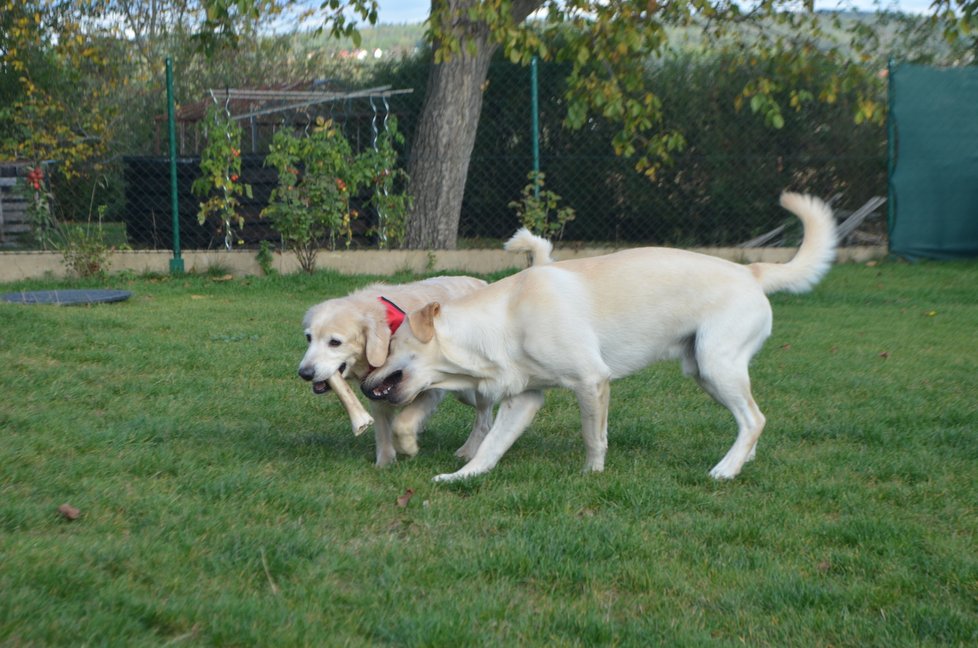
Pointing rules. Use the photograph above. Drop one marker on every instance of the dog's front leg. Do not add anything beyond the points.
(383, 413)
(481, 426)
(515, 414)
(594, 399)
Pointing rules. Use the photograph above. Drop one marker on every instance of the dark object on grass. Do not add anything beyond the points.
(67, 297)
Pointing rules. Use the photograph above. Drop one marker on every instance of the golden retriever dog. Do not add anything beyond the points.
(350, 335)
(582, 323)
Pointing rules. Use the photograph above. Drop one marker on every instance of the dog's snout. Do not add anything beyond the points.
(306, 372)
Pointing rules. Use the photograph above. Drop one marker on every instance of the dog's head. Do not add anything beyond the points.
(342, 339)
(413, 360)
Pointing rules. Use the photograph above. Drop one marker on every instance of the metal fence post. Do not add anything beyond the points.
(176, 263)
(891, 144)
(535, 120)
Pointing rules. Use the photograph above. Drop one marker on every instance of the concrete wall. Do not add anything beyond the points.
(15, 266)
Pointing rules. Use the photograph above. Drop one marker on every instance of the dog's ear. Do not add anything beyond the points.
(423, 322)
(378, 340)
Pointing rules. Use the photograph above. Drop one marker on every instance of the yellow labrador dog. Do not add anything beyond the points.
(350, 336)
(584, 322)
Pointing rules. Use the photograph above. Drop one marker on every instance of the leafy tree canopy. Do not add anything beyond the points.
(608, 45)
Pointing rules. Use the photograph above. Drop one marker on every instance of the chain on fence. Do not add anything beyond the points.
(721, 189)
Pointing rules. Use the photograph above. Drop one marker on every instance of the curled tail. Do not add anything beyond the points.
(814, 257)
(537, 247)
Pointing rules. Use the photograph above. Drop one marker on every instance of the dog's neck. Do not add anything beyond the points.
(477, 359)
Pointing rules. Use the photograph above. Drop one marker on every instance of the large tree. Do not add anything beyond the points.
(608, 44)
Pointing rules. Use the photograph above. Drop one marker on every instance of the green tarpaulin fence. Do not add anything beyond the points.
(933, 202)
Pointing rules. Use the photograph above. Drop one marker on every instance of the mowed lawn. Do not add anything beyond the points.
(222, 503)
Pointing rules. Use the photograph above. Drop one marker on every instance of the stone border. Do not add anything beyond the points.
(16, 266)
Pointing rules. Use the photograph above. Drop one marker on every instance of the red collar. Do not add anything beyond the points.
(395, 316)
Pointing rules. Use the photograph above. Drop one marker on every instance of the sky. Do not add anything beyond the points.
(416, 11)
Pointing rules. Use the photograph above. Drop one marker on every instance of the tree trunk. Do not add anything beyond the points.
(439, 163)
(445, 136)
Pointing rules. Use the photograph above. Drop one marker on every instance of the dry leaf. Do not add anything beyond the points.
(403, 500)
(885, 355)
(786, 347)
(69, 512)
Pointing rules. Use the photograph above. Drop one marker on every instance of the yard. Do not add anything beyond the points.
(221, 503)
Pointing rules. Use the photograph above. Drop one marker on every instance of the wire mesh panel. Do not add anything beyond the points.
(720, 189)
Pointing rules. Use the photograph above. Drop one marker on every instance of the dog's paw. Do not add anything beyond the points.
(385, 459)
(593, 467)
(721, 472)
(458, 475)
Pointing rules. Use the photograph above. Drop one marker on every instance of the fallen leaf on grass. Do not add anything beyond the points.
(885, 355)
(69, 512)
(403, 500)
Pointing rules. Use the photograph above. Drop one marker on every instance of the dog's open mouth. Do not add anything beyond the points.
(383, 390)
(322, 386)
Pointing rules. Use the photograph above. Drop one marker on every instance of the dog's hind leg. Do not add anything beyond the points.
(515, 414)
(720, 366)
(730, 386)
(481, 426)
(594, 400)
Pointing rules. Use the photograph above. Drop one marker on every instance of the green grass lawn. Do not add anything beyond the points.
(222, 503)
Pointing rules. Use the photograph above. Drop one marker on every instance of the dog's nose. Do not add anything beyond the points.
(306, 373)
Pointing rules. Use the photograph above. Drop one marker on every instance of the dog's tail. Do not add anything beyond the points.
(538, 248)
(814, 257)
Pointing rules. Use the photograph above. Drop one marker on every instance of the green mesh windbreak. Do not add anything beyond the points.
(933, 162)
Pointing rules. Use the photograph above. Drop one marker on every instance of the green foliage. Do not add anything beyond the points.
(265, 258)
(319, 175)
(55, 80)
(538, 211)
(220, 167)
(36, 190)
(223, 21)
(388, 186)
(85, 250)
(720, 190)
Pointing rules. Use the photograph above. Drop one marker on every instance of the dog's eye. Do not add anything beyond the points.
(308, 337)
(333, 342)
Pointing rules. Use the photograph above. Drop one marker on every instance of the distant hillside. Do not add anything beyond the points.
(393, 40)
(398, 41)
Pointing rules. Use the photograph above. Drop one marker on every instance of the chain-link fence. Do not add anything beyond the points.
(721, 189)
